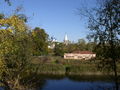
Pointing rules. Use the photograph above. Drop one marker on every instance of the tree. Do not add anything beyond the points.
(72, 47)
(81, 44)
(8, 1)
(90, 46)
(15, 51)
(104, 22)
(40, 42)
(2, 16)
(59, 49)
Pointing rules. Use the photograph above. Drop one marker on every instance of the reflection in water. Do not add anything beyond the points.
(67, 84)
(77, 83)
(1, 88)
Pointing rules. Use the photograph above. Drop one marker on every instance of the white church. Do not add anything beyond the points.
(65, 41)
(79, 55)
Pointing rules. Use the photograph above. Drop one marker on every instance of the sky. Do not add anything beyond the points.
(57, 17)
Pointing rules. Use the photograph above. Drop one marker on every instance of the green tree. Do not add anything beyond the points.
(90, 46)
(104, 22)
(40, 42)
(81, 44)
(59, 49)
(2, 16)
(15, 51)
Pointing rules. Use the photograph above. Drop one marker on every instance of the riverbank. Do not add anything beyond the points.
(57, 65)
(39, 81)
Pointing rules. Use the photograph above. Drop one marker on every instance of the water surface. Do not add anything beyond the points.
(57, 82)
(68, 83)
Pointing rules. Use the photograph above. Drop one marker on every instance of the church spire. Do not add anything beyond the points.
(66, 39)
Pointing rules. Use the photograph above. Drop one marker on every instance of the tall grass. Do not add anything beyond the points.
(57, 65)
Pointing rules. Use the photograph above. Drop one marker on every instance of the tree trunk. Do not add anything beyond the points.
(6, 84)
(115, 75)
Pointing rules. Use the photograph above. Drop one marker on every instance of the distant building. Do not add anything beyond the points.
(86, 55)
(66, 41)
(52, 43)
(52, 46)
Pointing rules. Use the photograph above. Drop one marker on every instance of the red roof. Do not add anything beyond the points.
(83, 52)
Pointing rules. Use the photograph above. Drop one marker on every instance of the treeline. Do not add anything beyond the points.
(18, 44)
(81, 45)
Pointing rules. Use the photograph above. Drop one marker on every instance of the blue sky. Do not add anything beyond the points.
(57, 17)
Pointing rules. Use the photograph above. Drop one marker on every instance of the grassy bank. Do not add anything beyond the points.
(57, 65)
(48, 68)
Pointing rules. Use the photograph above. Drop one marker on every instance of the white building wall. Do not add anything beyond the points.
(78, 56)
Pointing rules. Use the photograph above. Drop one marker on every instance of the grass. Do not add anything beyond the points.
(57, 65)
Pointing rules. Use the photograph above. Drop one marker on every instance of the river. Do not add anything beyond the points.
(78, 83)
(67, 84)
(70, 82)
